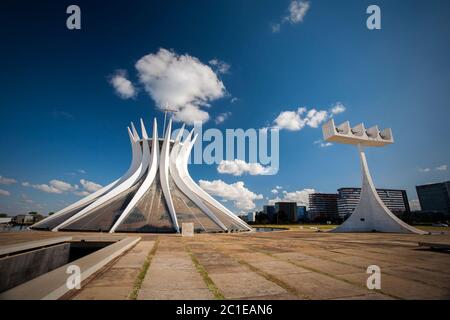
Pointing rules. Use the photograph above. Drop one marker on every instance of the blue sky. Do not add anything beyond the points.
(61, 119)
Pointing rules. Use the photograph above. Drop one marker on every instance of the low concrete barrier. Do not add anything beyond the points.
(53, 285)
(30, 245)
(19, 268)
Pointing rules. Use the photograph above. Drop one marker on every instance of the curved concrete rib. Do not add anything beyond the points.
(135, 133)
(144, 158)
(135, 160)
(144, 131)
(136, 157)
(77, 204)
(151, 174)
(164, 175)
(184, 185)
(371, 214)
(184, 175)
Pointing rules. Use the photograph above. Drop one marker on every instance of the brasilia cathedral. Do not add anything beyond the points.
(156, 194)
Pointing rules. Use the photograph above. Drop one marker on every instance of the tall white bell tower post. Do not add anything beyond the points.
(371, 214)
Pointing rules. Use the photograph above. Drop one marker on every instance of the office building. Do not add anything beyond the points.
(301, 213)
(434, 197)
(269, 210)
(286, 211)
(24, 219)
(395, 200)
(323, 207)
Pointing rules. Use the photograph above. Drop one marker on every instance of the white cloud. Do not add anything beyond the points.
(54, 186)
(414, 205)
(25, 198)
(274, 191)
(300, 196)
(59, 187)
(239, 167)
(278, 187)
(182, 82)
(46, 188)
(62, 114)
(338, 108)
(4, 193)
(275, 27)
(243, 199)
(323, 144)
(289, 120)
(222, 117)
(443, 167)
(62, 185)
(298, 119)
(190, 114)
(124, 88)
(90, 186)
(297, 11)
(81, 171)
(234, 99)
(220, 66)
(314, 118)
(82, 193)
(7, 181)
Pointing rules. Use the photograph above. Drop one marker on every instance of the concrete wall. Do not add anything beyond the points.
(17, 269)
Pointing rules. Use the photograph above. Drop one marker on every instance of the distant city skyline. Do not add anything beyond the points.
(68, 95)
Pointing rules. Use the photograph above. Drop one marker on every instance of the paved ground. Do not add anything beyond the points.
(276, 265)
(117, 282)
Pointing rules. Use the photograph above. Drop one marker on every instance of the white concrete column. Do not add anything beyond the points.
(371, 214)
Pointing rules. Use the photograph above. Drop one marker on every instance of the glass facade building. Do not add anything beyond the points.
(323, 206)
(395, 200)
(301, 213)
(286, 211)
(434, 197)
(269, 210)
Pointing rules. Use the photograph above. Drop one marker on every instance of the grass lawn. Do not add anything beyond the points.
(296, 226)
(433, 229)
(324, 227)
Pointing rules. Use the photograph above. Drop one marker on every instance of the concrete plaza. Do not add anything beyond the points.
(294, 264)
